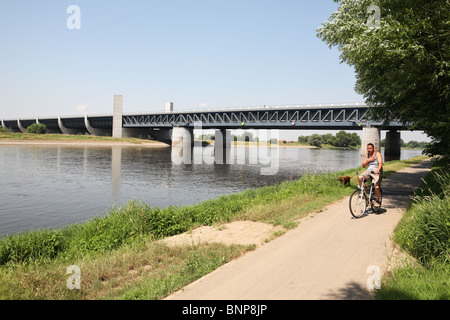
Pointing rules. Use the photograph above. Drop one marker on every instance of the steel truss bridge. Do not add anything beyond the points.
(342, 117)
(325, 117)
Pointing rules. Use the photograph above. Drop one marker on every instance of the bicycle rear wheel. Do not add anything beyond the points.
(373, 202)
(358, 203)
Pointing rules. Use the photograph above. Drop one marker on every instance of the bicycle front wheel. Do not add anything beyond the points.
(373, 203)
(358, 203)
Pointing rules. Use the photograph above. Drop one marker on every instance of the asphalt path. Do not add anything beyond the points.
(330, 255)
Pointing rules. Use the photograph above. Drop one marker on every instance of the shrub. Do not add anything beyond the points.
(425, 232)
(31, 246)
(38, 128)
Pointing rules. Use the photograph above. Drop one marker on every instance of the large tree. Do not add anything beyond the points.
(401, 55)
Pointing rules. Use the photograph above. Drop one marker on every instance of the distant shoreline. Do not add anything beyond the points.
(123, 143)
(84, 143)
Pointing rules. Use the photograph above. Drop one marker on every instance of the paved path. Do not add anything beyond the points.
(326, 257)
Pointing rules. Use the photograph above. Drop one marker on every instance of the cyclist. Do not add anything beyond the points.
(374, 164)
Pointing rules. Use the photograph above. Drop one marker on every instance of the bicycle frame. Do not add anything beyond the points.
(363, 198)
(362, 186)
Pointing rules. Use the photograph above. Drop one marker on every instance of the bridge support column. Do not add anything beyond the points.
(392, 146)
(222, 146)
(182, 145)
(24, 130)
(370, 135)
(117, 131)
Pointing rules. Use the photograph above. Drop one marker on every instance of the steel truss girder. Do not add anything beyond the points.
(258, 118)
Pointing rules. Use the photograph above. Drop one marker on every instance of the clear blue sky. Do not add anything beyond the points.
(195, 53)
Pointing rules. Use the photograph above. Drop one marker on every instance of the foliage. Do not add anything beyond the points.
(342, 139)
(402, 65)
(425, 231)
(315, 140)
(38, 128)
(32, 246)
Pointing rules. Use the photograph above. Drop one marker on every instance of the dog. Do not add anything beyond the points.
(345, 180)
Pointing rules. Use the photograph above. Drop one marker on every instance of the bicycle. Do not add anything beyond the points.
(360, 198)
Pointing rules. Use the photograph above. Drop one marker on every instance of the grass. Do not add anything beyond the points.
(423, 235)
(118, 254)
(12, 136)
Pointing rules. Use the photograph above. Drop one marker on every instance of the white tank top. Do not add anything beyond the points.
(373, 165)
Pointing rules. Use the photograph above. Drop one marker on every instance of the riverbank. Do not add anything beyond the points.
(120, 255)
(7, 138)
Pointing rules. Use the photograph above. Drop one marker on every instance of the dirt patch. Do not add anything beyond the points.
(238, 232)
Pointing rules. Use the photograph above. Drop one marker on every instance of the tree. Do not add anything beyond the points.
(401, 61)
(315, 140)
(303, 139)
(343, 139)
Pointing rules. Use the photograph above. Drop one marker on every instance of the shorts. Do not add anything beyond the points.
(376, 177)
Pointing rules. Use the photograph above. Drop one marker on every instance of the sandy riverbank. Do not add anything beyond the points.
(149, 144)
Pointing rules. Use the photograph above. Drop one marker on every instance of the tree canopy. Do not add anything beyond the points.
(401, 56)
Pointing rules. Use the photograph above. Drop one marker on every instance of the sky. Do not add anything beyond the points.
(198, 54)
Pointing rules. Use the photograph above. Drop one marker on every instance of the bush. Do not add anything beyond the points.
(38, 128)
(29, 247)
(425, 231)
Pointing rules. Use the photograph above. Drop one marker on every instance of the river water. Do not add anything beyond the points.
(51, 186)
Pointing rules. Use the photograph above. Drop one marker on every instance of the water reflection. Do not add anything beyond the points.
(55, 185)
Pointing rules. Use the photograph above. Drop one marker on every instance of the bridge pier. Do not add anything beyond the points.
(392, 145)
(370, 135)
(182, 145)
(22, 129)
(222, 146)
(117, 130)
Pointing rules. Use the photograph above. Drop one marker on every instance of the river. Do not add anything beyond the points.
(51, 186)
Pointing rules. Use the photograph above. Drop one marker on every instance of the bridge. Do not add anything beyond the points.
(172, 127)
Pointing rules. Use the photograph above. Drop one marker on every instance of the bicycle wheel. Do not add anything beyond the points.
(358, 203)
(373, 202)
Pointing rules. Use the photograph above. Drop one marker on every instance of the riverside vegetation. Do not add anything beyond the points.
(118, 254)
(424, 235)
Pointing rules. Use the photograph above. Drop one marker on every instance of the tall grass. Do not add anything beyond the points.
(425, 230)
(424, 234)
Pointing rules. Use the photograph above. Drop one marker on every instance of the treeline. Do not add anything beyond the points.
(409, 144)
(342, 139)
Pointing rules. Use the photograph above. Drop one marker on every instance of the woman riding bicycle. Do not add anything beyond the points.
(374, 164)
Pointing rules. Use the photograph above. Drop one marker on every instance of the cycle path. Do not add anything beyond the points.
(330, 255)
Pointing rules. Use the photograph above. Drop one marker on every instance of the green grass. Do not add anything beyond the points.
(118, 253)
(424, 235)
(12, 136)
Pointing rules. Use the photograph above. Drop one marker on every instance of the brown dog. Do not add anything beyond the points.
(345, 180)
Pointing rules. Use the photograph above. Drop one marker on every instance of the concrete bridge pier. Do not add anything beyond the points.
(21, 128)
(117, 130)
(392, 146)
(370, 135)
(222, 146)
(182, 145)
